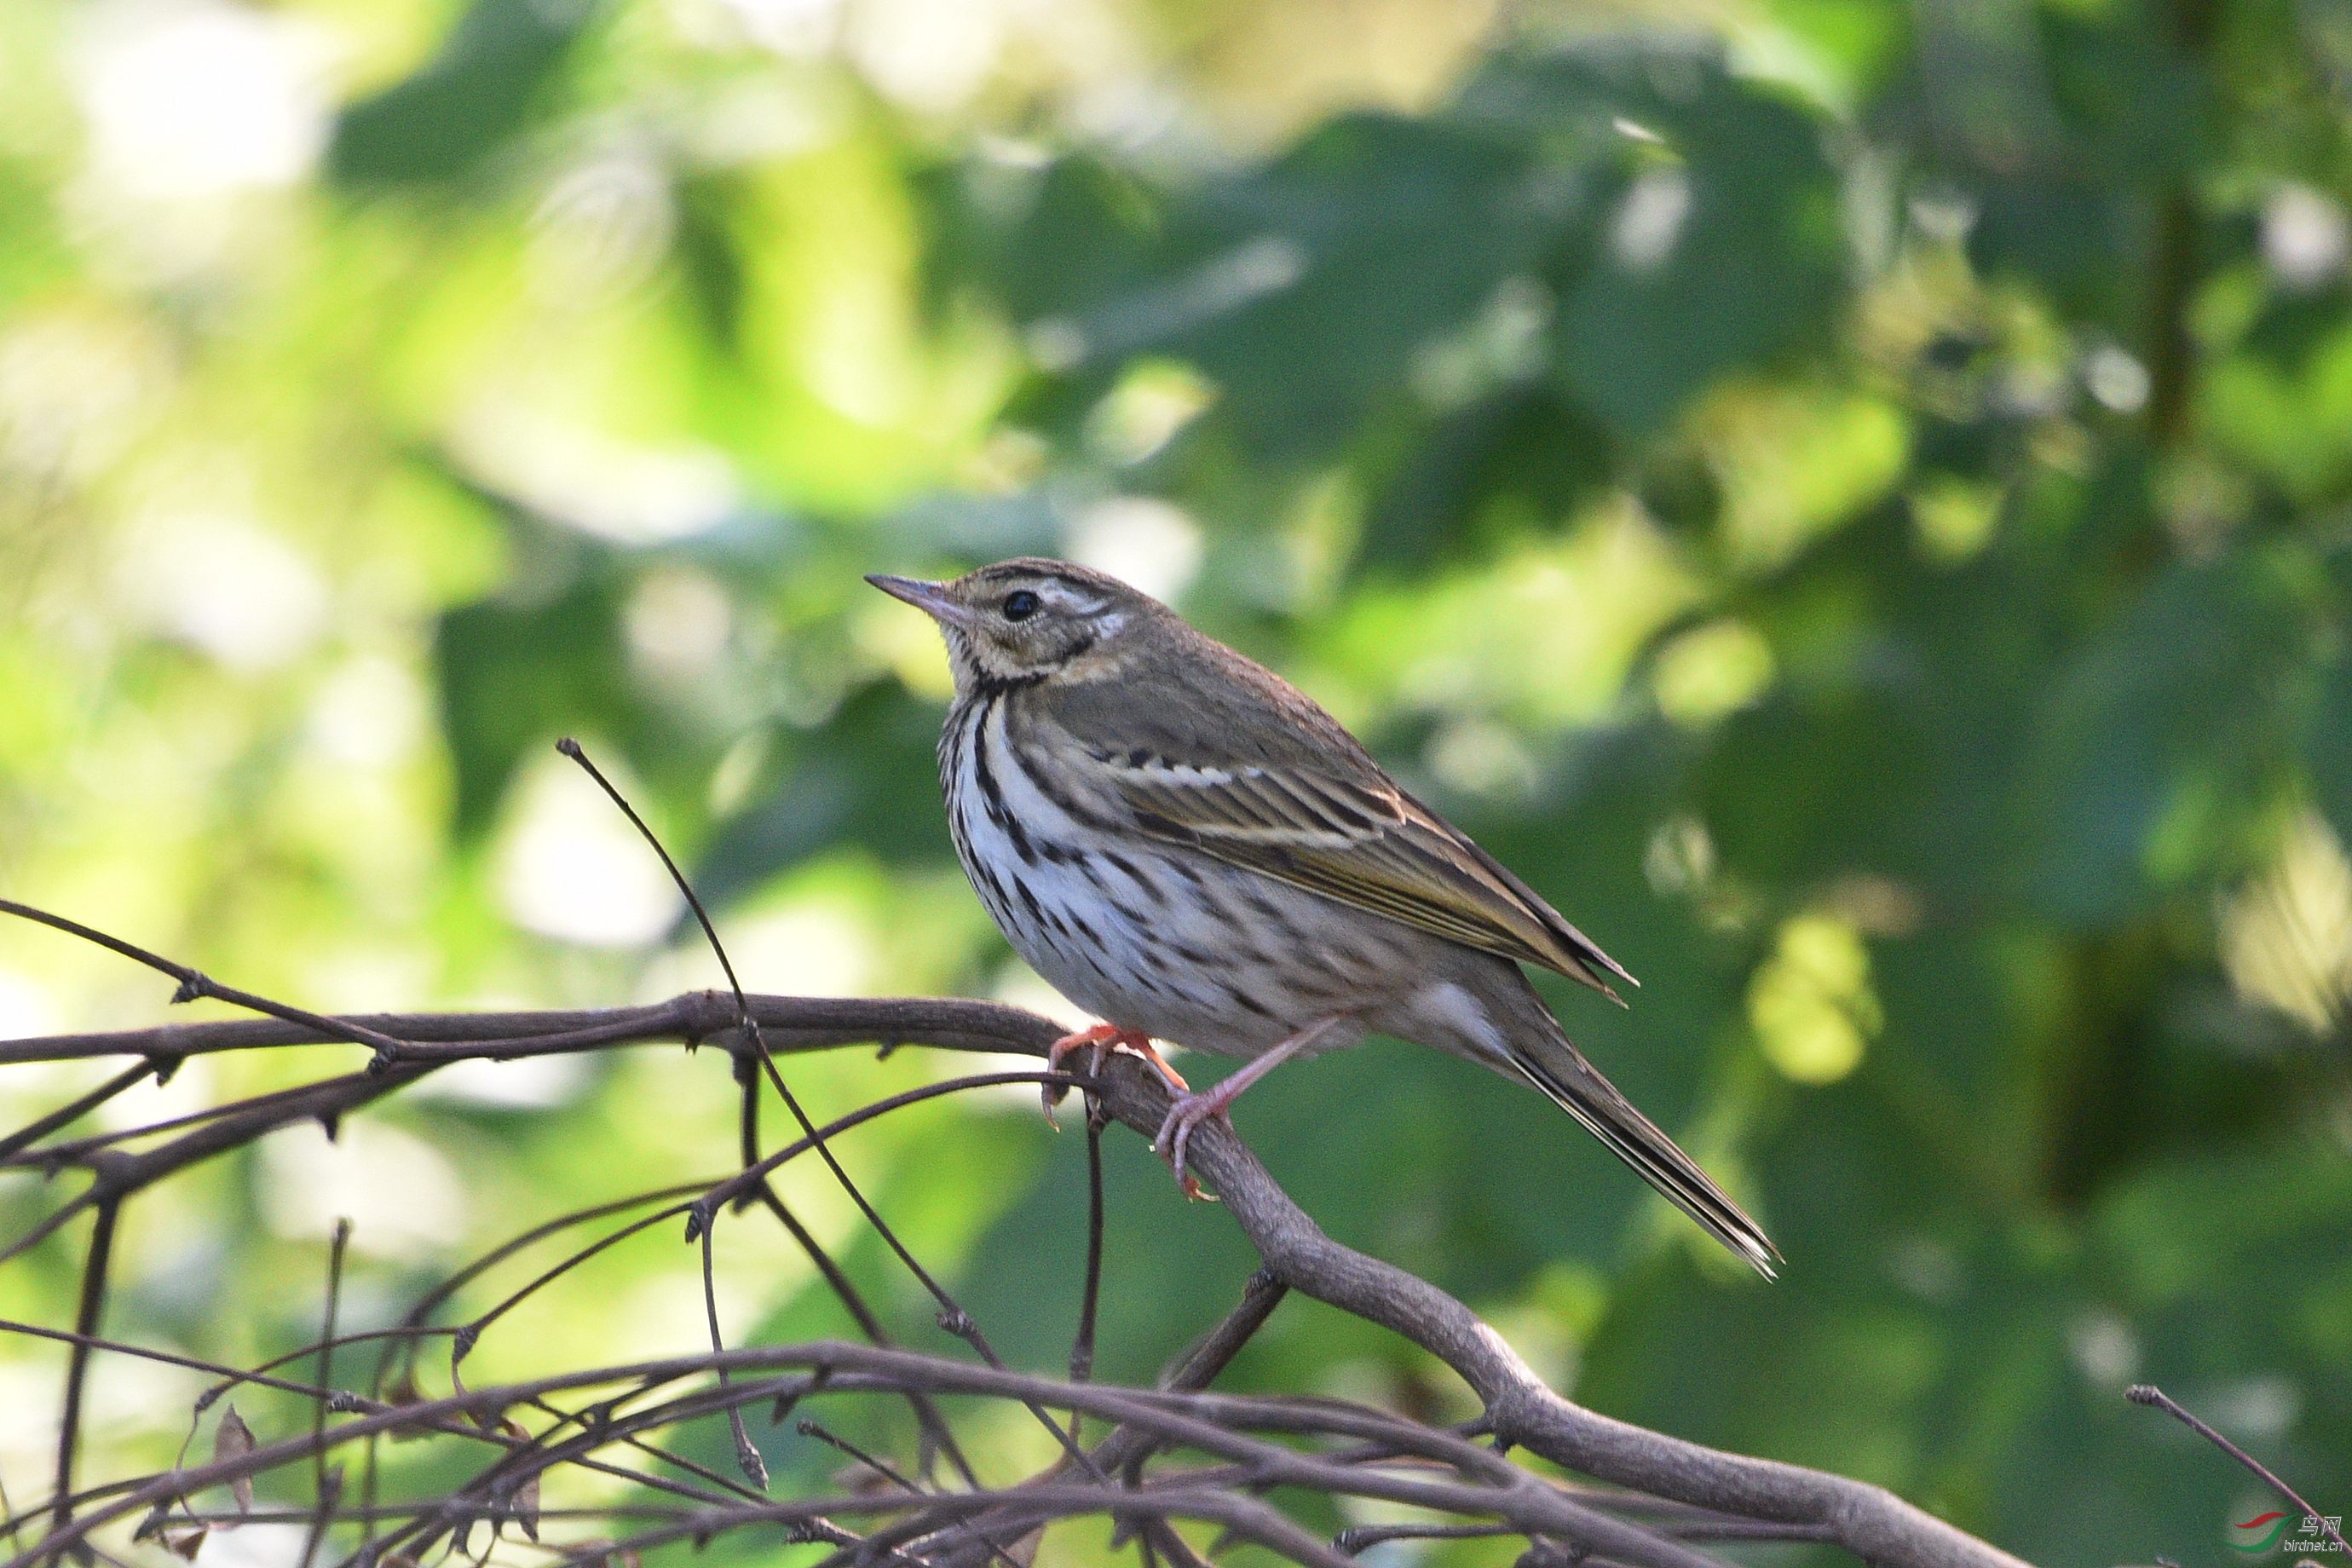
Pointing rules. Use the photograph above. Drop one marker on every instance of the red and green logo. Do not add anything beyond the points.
(2272, 1525)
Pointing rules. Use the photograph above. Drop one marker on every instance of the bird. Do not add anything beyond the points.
(1188, 846)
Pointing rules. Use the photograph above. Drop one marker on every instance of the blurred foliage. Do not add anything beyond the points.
(1847, 498)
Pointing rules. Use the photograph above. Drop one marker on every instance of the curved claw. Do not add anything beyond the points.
(1176, 1131)
(1191, 1110)
(1051, 1094)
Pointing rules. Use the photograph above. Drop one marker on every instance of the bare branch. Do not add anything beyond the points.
(2149, 1395)
(1722, 1495)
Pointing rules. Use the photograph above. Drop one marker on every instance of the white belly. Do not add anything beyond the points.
(1182, 947)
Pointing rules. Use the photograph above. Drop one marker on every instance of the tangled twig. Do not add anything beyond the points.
(1176, 1452)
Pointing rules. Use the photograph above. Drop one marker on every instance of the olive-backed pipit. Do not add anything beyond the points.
(1190, 848)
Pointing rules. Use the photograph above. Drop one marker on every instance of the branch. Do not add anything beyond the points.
(2149, 1395)
(1212, 1423)
(1865, 1520)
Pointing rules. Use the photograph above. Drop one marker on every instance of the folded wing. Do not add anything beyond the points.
(1362, 841)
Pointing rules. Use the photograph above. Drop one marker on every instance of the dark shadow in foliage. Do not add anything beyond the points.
(1514, 460)
(489, 78)
(1597, 233)
(2168, 733)
(548, 655)
(1721, 242)
(865, 776)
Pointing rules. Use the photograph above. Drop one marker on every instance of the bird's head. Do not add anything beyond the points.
(1032, 620)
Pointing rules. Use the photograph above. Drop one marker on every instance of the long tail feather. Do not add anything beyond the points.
(1559, 1069)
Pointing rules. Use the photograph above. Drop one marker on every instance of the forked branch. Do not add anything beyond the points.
(1766, 1498)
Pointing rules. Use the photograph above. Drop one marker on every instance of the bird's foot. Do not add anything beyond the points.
(1092, 1041)
(1096, 1041)
(1183, 1117)
(1150, 1053)
(1212, 1104)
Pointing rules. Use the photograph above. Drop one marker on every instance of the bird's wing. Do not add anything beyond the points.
(1361, 840)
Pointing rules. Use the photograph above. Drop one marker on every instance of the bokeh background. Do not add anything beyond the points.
(1848, 497)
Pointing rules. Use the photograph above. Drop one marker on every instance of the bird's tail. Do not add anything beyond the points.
(1559, 1069)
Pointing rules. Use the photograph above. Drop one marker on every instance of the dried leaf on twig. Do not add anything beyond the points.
(233, 1440)
(524, 1506)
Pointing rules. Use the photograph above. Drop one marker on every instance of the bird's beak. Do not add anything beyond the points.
(931, 598)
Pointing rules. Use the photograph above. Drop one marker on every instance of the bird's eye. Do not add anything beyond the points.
(1021, 603)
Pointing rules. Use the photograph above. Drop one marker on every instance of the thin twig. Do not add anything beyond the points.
(1082, 1344)
(953, 1319)
(1359, 1538)
(87, 1314)
(716, 1195)
(936, 1432)
(2149, 1395)
(195, 983)
(1757, 1499)
(1218, 1425)
(747, 1454)
(33, 1132)
(880, 1467)
(326, 1487)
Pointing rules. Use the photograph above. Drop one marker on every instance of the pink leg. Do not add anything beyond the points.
(1191, 1110)
(1096, 1040)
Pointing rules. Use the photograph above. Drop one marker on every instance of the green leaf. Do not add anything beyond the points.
(515, 674)
(2160, 732)
(1520, 457)
(1723, 248)
(445, 122)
